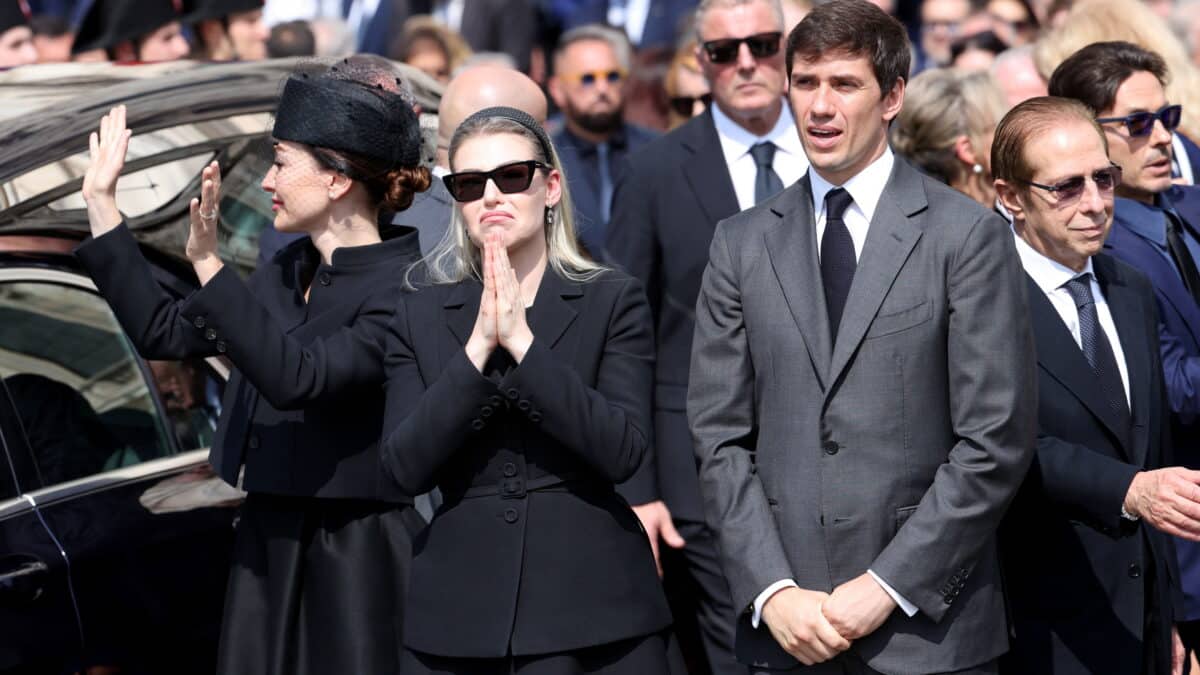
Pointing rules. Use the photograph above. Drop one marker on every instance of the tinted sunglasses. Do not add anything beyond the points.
(591, 77)
(684, 106)
(467, 186)
(1069, 190)
(1142, 123)
(761, 46)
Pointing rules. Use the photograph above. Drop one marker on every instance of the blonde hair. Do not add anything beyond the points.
(941, 105)
(1131, 21)
(456, 258)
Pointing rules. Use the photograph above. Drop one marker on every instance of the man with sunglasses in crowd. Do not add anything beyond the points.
(591, 69)
(742, 151)
(1091, 576)
(1156, 229)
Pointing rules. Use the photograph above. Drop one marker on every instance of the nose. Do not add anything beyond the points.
(1091, 201)
(1160, 135)
(268, 181)
(179, 46)
(821, 105)
(745, 59)
(491, 193)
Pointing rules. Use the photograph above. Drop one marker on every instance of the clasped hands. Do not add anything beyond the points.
(501, 319)
(814, 627)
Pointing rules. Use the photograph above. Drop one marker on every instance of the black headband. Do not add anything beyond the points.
(520, 117)
(349, 116)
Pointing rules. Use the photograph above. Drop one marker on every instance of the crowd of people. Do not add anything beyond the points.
(729, 336)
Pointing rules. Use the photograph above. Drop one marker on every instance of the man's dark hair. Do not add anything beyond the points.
(1093, 74)
(49, 25)
(856, 28)
(293, 38)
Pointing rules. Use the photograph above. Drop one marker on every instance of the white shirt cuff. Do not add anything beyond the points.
(756, 617)
(905, 606)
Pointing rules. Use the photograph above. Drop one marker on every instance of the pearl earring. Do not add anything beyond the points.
(977, 169)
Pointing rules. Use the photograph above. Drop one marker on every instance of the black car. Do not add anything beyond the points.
(114, 533)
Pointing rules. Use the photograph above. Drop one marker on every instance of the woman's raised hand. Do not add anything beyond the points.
(106, 149)
(512, 330)
(483, 338)
(201, 246)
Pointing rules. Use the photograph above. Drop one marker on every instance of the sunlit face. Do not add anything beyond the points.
(16, 47)
(940, 24)
(520, 216)
(299, 187)
(1145, 161)
(748, 87)
(164, 44)
(248, 35)
(590, 85)
(1068, 232)
(841, 113)
(687, 83)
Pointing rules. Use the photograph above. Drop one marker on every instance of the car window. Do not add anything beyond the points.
(81, 395)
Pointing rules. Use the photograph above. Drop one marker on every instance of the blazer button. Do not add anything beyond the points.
(486, 411)
(477, 424)
(199, 322)
(495, 400)
(510, 469)
(535, 417)
(210, 335)
(831, 447)
(524, 406)
(325, 279)
(511, 515)
(221, 346)
(512, 394)
(253, 442)
(1135, 570)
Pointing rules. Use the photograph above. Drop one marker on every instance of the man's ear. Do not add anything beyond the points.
(1007, 194)
(894, 100)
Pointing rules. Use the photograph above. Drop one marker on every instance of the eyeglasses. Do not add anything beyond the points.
(685, 106)
(1142, 123)
(591, 77)
(1069, 190)
(761, 46)
(467, 186)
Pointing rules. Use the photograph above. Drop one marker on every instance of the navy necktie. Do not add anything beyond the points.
(1182, 256)
(1096, 348)
(838, 261)
(766, 183)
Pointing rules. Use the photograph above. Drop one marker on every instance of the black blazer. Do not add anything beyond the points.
(532, 551)
(1075, 570)
(302, 409)
(665, 209)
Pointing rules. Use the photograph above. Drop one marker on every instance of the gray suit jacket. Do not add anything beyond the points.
(429, 214)
(898, 448)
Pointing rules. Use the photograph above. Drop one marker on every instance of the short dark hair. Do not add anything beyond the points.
(1093, 74)
(294, 38)
(854, 27)
(1024, 123)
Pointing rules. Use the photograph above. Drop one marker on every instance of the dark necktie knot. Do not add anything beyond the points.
(1080, 288)
(764, 154)
(837, 201)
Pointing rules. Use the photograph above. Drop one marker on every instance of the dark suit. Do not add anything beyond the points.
(1082, 580)
(533, 552)
(895, 448)
(663, 24)
(429, 214)
(670, 197)
(506, 26)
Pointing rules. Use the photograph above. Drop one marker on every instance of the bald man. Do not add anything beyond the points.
(470, 91)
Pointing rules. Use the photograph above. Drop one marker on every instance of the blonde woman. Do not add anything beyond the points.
(946, 129)
(519, 383)
(687, 91)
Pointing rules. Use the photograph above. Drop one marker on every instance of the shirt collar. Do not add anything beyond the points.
(736, 141)
(1049, 275)
(865, 187)
(1144, 220)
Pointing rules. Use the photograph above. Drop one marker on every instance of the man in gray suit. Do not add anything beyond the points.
(862, 392)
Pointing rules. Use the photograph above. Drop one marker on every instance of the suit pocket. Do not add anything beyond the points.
(887, 324)
(902, 515)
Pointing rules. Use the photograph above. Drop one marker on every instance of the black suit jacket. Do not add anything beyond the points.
(1076, 571)
(302, 410)
(532, 551)
(665, 209)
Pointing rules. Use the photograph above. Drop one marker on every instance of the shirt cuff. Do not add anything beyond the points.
(905, 606)
(762, 598)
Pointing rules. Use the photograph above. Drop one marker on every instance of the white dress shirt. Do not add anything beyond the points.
(789, 163)
(1051, 277)
(866, 187)
(630, 15)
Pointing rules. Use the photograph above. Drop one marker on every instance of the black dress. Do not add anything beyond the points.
(533, 564)
(323, 542)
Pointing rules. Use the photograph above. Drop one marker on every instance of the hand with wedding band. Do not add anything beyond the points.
(201, 246)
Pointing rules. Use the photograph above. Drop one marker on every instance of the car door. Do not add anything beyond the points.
(117, 447)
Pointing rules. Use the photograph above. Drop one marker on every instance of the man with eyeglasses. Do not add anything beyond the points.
(1089, 568)
(741, 152)
(591, 68)
(1155, 229)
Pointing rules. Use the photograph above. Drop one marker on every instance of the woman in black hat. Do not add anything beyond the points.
(16, 37)
(519, 383)
(130, 30)
(323, 541)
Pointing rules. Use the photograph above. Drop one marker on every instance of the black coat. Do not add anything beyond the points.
(532, 551)
(666, 207)
(1075, 570)
(303, 409)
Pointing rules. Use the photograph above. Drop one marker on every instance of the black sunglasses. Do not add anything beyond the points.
(1069, 190)
(685, 106)
(761, 46)
(467, 186)
(1142, 123)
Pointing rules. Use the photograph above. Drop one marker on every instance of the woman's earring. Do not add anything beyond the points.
(977, 169)
(549, 217)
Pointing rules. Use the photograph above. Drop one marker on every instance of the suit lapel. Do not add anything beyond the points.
(463, 308)
(792, 248)
(706, 170)
(1127, 312)
(890, 240)
(552, 312)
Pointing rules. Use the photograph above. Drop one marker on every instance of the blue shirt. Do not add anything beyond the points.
(1149, 221)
